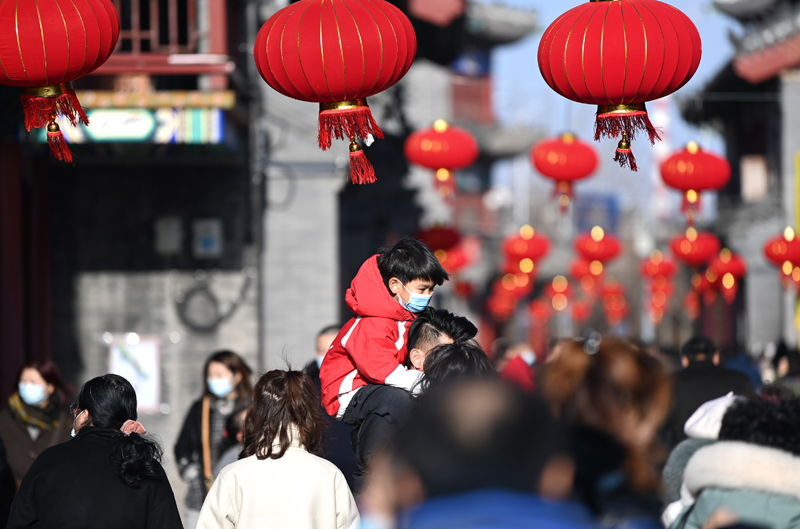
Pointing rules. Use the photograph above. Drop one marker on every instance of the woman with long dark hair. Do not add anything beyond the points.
(280, 480)
(226, 388)
(109, 475)
(36, 415)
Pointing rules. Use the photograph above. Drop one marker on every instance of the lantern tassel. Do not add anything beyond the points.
(43, 105)
(613, 124)
(565, 195)
(361, 171)
(624, 154)
(58, 147)
(345, 122)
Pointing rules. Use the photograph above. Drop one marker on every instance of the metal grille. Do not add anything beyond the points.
(158, 26)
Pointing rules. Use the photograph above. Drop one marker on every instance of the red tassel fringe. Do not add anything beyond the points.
(39, 111)
(612, 125)
(361, 171)
(626, 159)
(58, 147)
(345, 124)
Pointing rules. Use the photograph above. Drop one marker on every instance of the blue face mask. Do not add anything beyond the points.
(416, 302)
(220, 387)
(32, 394)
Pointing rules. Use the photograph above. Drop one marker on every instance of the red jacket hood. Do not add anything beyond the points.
(368, 296)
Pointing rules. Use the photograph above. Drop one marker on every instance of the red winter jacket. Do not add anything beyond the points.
(370, 348)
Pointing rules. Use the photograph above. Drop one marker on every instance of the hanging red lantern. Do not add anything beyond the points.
(588, 275)
(501, 306)
(598, 248)
(453, 260)
(693, 170)
(44, 46)
(439, 237)
(658, 266)
(695, 248)
(729, 268)
(517, 285)
(581, 310)
(703, 284)
(528, 244)
(619, 55)
(539, 310)
(337, 53)
(443, 148)
(564, 159)
(783, 248)
(558, 286)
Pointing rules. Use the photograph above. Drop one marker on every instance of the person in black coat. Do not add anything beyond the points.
(109, 475)
(701, 380)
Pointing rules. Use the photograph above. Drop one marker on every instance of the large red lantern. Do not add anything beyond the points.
(44, 46)
(693, 170)
(524, 250)
(784, 248)
(439, 237)
(729, 268)
(443, 148)
(337, 53)
(695, 248)
(564, 159)
(598, 248)
(658, 266)
(618, 55)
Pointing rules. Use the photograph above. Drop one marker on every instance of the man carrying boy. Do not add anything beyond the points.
(364, 382)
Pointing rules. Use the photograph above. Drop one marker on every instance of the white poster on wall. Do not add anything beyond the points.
(138, 360)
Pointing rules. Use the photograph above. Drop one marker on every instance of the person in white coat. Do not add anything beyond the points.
(280, 480)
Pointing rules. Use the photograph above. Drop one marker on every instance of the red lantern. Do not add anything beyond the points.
(539, 310)
(565, 160)
(439, 237)
(702, 285)
(452, 260)
(587, 274)
(695, 248)
(618, 55)
(443, 148)
(782, 249)
(694, 170)
(501, 306)
(44, 46)
(729, 268)
(581, 310)
(527, 245)
(598, 248)
(657, 266)
(517, 285)
(337, 53)
(559, 292)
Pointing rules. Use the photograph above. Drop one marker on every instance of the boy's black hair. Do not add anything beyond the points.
(410, 259)
(699, 347)
(455, 361)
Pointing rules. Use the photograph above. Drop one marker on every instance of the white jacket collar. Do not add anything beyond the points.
(294, 437)
(737, 465)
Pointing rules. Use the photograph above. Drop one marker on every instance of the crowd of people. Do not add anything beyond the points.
(403, 421)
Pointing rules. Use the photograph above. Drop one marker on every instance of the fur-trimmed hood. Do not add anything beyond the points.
(737, 465)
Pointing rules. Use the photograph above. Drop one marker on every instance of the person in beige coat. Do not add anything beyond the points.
(280, 480)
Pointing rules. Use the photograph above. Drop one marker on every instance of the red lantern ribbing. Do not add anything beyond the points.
(618, 55)
(695, 248)
(44, 46)
(443, 148)
(693, 170)
(784, 248)
(564, 159)
(337, 53)
(598, 248)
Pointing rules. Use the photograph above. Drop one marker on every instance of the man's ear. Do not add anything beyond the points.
(417, 358)
(715, 358)
(684, 361)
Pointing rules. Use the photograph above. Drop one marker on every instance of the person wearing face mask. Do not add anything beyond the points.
(364, 381)
(227, 387)
(35, 417)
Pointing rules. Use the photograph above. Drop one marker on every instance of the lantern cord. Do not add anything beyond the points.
(361, 171)
(626, 159)
(613, 124)
(58, 147)
(346, 123)
(39, 111)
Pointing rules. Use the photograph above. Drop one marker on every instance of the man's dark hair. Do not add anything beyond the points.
(410, 259)
(330, 329)
(699, 348)
(455, 361)
(431, 324)
(475, 434)
(764, 423)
